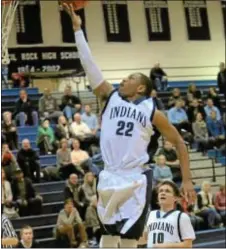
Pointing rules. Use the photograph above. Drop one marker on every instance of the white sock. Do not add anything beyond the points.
(108, 241)
(128, 243)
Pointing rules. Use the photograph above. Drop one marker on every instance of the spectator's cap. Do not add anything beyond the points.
(18, 170)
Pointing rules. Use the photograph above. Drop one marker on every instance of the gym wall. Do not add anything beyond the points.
(141, 53)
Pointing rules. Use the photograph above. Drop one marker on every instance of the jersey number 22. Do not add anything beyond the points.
(125, 128)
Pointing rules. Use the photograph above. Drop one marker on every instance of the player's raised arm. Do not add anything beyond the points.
(171, 134)
(100, 87)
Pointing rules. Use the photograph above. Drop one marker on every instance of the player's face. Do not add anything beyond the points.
(130, 86)
(166, 195)
(27, 235)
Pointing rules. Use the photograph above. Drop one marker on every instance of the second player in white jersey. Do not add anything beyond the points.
(167, 227)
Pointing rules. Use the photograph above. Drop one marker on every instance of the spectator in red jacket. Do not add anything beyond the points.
(220, 203)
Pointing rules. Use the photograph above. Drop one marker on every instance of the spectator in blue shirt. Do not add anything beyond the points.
(90, 119)
(210, 107)
(161, 171)
(216, 129)
(178, 117)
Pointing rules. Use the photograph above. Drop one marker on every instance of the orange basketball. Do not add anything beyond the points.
(77, 4)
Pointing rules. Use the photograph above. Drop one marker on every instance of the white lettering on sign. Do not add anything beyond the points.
(29, 56)
(12, 57)
(68, 55)
(49, 56)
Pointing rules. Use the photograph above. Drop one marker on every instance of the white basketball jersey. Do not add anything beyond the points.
(126, 130)
(167, 227)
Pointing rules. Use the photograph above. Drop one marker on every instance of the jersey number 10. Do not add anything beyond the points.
(158, 238)
(125, 128)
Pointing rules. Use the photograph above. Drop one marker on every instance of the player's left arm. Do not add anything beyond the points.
(171, 134)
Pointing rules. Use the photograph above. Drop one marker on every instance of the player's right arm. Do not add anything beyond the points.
(100, 86)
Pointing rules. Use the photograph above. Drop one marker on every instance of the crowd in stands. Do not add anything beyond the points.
(72, 132)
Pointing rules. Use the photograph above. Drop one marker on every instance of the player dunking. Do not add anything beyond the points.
(124, 189)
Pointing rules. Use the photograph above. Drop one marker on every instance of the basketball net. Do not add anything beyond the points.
(8, 12)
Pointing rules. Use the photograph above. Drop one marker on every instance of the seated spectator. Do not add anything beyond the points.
(171, 160)
(161, 171)
(206, 207)
(27, 159)
(178, 117)
(9, 163)
(212, 94)
(70, 103)
(221, 78)
(158, 78)
(78, 156)
(220, 203)
(158, 102)
(27, 238)
(193, 109)
(210, 107)
(90, 119)
(79, 128)
(216, 130)
(48, 107)
(9, 130)
(45, 138)
(193, 93)
(201, 135)
(70, 225)
(25, 112)
(196, 221)
(175, 96)
(71, 191)
(62, 129)
(92, 221)
(24, 195)
(81, 131)
(88, 187)
(63, 160)
(8, 207)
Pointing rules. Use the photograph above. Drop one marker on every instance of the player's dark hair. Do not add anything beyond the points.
(147, 83)
(172, 185)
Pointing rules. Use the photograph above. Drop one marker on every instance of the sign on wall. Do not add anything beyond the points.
(116, 20)
(66, 25)
(157, 18)
(43, 59)
(28, 22)
(223, 4)
(197, 19)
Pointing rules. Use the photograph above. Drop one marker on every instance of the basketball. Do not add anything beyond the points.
(77, 4)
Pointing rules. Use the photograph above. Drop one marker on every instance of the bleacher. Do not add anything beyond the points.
(211, 167)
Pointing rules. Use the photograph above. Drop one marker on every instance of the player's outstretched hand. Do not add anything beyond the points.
(76, 20)
(189, 191)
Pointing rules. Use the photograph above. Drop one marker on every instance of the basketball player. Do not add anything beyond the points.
(167, 227)
(124, 189)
